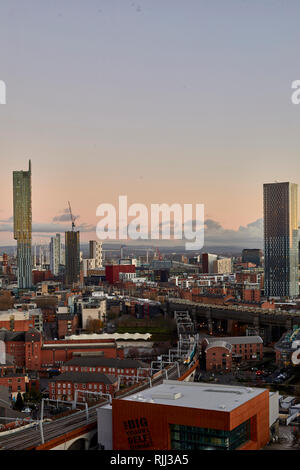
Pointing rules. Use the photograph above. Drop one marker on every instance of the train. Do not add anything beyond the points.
(190, 358)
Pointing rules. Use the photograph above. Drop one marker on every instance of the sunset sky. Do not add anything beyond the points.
(175, 101)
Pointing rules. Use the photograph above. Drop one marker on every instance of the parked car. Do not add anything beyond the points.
(26, 410)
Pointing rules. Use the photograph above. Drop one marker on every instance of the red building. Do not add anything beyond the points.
(41, 276)
(67, 324)
(112, 271)
(220, 353)
(55, 353)
(127, 369)
(30, 351)
(63, 386)
(14, 381)
(190, 416)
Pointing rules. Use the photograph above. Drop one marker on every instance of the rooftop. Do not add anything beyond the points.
(198, 395)
(104, 361)
(84, 377)
(236, 339)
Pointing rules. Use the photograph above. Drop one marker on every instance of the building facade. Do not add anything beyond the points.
(191, 416)
(281, 239)
(72, 258)
(96, 253)
(23, 225)
(55, 254)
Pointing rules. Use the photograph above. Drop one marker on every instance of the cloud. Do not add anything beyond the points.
(50, 228)
(249, 236)
(5, 221)
(65, 217)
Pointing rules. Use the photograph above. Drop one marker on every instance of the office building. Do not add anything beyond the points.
(72, 257)
(252, 255)
(208, 262)
(23, 225)
(281, 239)
(222, 266)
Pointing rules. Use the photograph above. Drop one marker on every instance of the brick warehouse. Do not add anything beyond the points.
(186, 416)
(221, 352)
(30, 351)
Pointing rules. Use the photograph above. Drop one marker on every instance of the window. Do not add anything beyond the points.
(194, 438)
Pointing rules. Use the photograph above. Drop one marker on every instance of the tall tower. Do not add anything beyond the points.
(23, 225)
(281, 239)
(55, 254)
(72, 256)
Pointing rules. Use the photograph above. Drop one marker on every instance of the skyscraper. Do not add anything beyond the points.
(23, 225)
(55, 254)
(72, 256)
(281, 239)
(96, 252)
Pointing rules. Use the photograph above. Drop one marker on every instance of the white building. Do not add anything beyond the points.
(96, 253)
(55, 254)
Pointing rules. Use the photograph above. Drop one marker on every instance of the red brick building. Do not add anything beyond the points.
(14, 381)
(55, 353)
(30, 351)
(67, 324)
(221, 353)
(63, 386)
(112, 271)
(127, 369)
(218, 355)
(191, 416)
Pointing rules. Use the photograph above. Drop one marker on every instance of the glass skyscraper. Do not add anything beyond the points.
(23, 225)
(281, 239)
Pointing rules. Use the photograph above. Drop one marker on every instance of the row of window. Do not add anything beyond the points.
(83, 386)
(99, 369)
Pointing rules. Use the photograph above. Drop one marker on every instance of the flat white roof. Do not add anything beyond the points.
(198, 395)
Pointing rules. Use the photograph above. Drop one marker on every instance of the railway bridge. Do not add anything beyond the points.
(273, 321)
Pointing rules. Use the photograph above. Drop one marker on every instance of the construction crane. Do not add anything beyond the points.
(72, 217)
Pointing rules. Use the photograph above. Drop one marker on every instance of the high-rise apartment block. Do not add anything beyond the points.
(23, 225)
(72, 257)
(55, 254)
(281, 239)
(96, 253)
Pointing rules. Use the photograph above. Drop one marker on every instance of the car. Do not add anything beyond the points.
(26, 410)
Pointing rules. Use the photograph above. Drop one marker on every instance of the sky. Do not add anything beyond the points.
(165, 101)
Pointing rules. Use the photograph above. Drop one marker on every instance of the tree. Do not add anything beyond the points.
(94, 325)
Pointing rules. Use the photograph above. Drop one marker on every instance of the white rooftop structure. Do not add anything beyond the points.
(115, 336)
(236, 339)
(204, 396)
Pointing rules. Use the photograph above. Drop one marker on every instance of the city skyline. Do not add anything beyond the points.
(148, 102)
